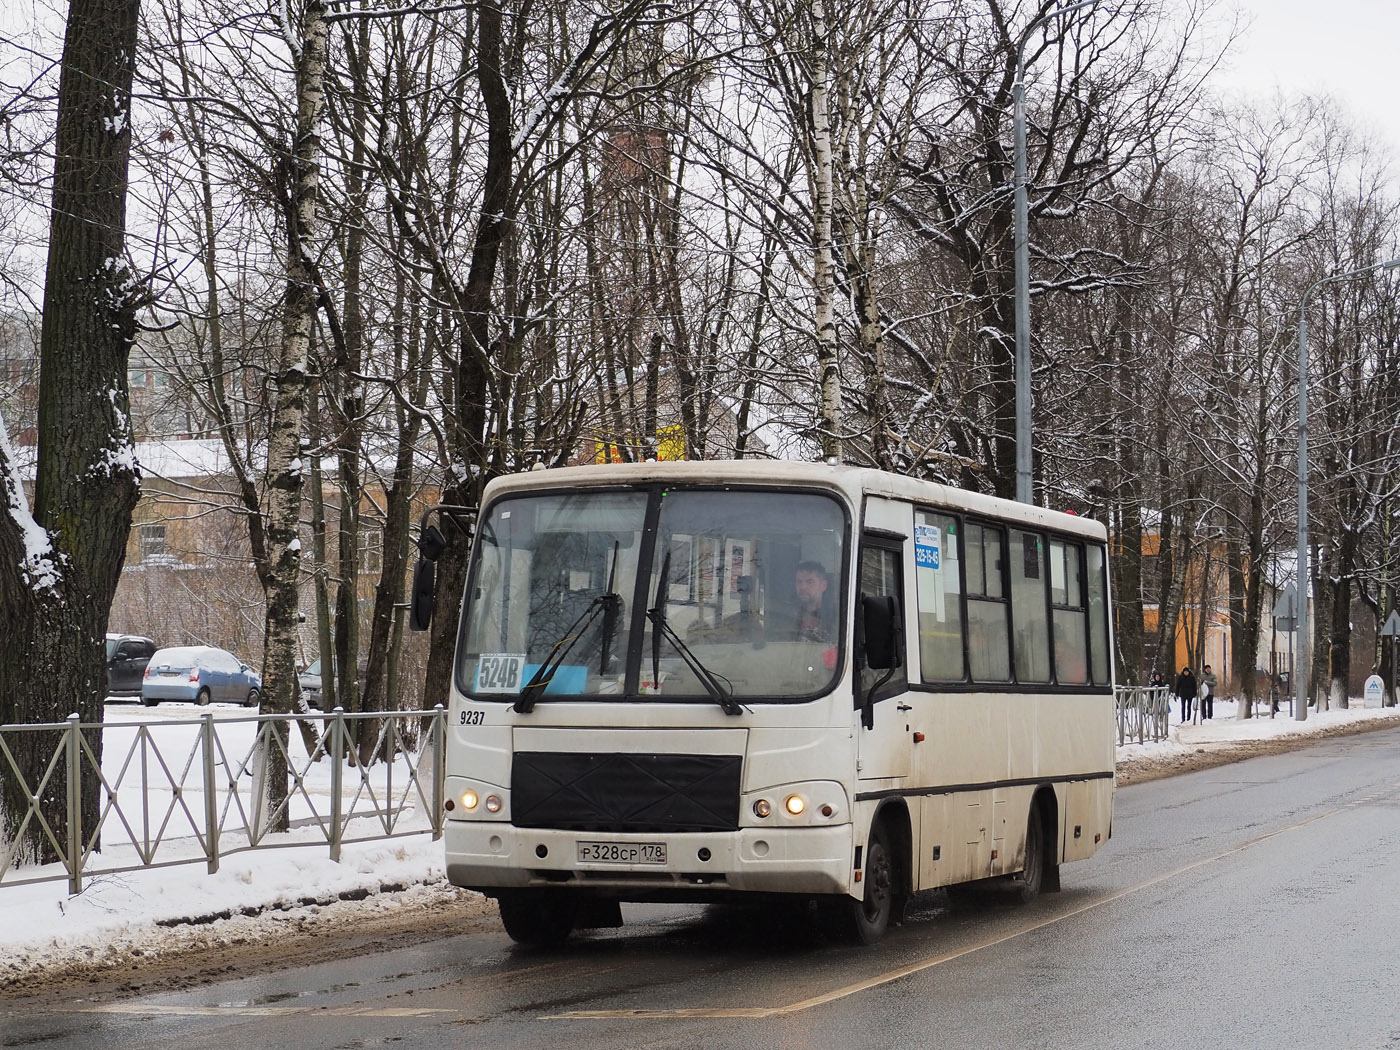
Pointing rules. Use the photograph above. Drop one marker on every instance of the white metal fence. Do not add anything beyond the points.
(1144, 713)
(189, 791)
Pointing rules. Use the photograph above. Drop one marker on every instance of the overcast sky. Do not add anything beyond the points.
(1346, 48)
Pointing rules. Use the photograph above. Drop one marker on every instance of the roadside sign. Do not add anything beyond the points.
(1374, 691)
(1392, 625)
(1286, 610)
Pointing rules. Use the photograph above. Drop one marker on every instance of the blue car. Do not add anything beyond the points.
(199, 673)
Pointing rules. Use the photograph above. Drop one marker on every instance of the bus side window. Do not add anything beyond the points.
(1067, 601)
(1098, 616)
(938, 585)
(988, 638)
(1030, 612)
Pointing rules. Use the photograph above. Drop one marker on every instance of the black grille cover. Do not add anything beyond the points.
(614, 792)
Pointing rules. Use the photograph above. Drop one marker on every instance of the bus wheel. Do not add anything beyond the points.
(865, 921)
(1028, 882)
(537, 918)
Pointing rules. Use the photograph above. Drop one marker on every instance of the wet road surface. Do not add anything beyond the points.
(1252, 905)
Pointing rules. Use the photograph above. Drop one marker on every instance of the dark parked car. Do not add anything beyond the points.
(310, 682)
(127, 657)
(200, 673)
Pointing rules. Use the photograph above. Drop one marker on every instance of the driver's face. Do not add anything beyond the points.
(810, 588)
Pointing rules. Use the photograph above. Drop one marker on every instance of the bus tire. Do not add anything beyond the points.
(1029, 881)
(865, 921)
(537, 918)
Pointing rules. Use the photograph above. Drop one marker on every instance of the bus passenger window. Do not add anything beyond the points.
(937, 574)
(1029, 612)
(1098, 616)
(988, 638)
(1067, 600)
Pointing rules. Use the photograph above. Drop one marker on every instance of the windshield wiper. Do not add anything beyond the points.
(607, 604)
(721, 694)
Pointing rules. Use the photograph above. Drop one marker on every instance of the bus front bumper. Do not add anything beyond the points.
(491, 855)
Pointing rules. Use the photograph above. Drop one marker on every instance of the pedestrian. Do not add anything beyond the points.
(1158, 682)
(1186, 689)
(1208, 684)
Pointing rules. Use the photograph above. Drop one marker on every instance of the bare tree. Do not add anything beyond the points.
(1103, 84)
(1354, 464)
(61, 557)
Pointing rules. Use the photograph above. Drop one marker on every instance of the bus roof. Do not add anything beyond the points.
(853, 482)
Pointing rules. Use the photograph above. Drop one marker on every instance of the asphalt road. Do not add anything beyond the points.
(1252, 905)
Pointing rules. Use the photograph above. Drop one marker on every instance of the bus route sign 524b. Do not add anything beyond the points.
(499, 672)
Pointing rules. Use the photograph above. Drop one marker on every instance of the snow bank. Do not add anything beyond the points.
(252, 896)
(1226, 729)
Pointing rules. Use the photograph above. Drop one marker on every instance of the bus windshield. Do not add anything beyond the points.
(743, 588)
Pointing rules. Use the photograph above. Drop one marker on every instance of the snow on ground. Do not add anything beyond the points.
(254, 894)
(1226, 729)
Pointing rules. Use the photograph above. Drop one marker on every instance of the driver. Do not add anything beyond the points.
(813, 623)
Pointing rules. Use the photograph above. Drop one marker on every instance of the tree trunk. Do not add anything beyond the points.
(60, 563)
(823, 261)
(471, 461)
(320, 570)
(386, 635)
(284, 487)
(1339, 640)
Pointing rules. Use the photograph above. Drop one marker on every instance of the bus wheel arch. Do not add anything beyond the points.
(1054, 846)
(1041, 868)
(885, 881)
(894, 816)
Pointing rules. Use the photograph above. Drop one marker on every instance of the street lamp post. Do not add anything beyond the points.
(1023, 265)
(1300, 670)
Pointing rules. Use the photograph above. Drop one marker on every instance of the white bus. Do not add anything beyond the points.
(677, 681)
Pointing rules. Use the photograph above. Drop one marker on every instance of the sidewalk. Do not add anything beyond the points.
(263, 894)
(1227, 733)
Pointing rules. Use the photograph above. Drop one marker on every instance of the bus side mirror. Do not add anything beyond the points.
(420, 602)
(880, 630)
(431, 544)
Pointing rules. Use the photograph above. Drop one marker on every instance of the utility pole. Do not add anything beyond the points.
(1024, 491)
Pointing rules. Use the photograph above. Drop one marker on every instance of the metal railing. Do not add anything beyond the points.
(192, 791)
(1144, 713)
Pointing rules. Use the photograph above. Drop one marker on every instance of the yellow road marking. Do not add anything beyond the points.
(699, 1011)
(151, 1010)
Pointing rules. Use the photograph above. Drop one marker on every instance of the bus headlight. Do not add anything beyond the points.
(813, 803)
(469, 799)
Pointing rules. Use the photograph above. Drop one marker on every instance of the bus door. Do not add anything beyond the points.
(885, 740)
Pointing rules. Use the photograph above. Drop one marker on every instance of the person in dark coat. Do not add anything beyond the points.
(1208, 683)
(1186, 689)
